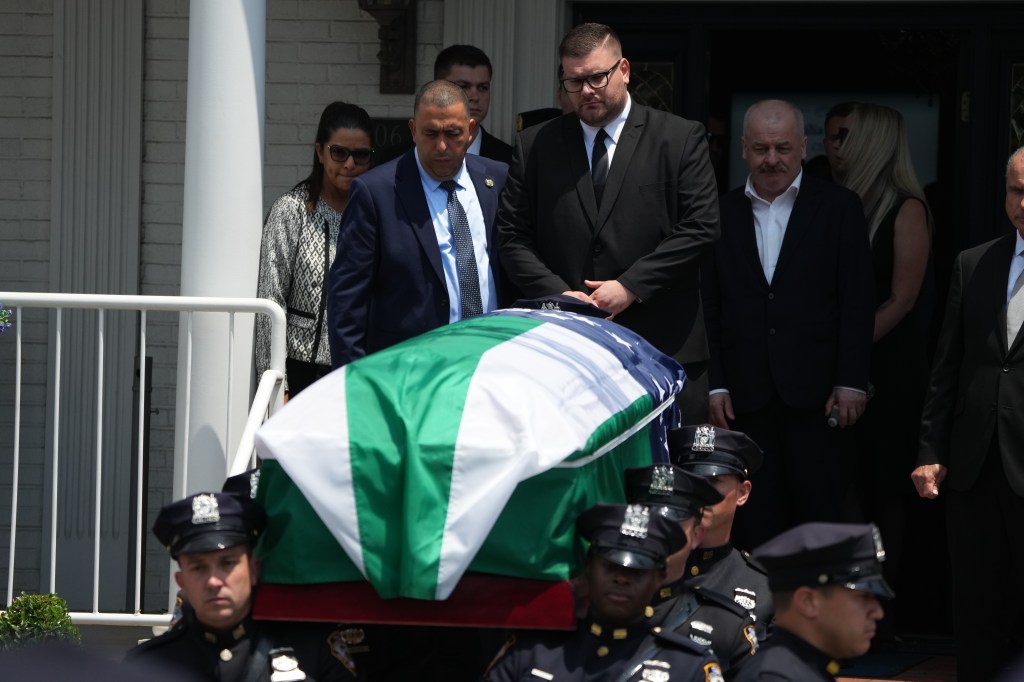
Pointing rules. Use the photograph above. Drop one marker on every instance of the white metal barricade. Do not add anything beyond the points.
(266, 397)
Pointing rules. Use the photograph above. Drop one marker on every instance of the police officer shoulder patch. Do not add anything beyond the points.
(751, 636)
(338, 645)
(713, 673)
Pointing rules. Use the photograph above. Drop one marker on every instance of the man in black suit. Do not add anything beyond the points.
(628, 236)
(469, 68)
(972, 442)
(401, 269)
(790, 310)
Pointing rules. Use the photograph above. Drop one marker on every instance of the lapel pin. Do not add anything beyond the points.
(489, 182)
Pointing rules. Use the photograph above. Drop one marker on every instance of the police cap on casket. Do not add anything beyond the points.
(206, 522)
(818, 554)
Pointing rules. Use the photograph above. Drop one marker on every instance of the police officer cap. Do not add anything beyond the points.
(564, 303)
(814, 554)
(670, 491)
(710, 451)
(243, 484)
(206, 522)
(633, 535)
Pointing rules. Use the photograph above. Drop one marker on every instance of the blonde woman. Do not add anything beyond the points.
(877, 166)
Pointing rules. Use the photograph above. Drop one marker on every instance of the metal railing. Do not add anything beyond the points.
(266, 397)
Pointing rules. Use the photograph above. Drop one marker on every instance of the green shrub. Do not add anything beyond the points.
(35, 618)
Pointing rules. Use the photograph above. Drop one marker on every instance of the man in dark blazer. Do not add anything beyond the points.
(972, 443)
(470, 68)
(789, 307)
(395, 274)
(635, 253)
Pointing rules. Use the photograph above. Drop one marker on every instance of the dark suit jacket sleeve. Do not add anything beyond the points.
(351, 277)
(937, 415)
(520, 258)
(856, 290)
(696, 226)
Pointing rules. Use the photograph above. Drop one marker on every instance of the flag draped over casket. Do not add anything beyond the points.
(472, 447)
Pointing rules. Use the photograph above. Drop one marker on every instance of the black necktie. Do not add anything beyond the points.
(465, 258)
(599, 164)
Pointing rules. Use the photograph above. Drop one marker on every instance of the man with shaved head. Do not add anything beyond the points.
(789, 305)
(417, 248)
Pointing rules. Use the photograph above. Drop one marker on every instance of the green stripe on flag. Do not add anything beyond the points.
(406, 459)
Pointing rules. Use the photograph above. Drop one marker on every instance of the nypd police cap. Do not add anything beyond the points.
(669, 490)
(207, 522)
(707, 450)
(633, 535)
(817, 554)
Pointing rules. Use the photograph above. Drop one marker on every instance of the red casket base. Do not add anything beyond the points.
(479, 600)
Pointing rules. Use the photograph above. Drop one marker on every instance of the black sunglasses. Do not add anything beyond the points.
(340, 154)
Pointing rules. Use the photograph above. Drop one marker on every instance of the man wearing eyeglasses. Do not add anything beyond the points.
(615, 206)
(417, 248)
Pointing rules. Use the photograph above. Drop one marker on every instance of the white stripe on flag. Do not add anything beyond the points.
(514, 427)
(319, 460)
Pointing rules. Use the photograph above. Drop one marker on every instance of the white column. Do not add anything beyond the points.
(221, 227)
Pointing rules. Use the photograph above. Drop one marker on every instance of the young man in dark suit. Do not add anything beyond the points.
(469, 68)
(616, 206)
(972, 441)
(402, 268)
(789, 305)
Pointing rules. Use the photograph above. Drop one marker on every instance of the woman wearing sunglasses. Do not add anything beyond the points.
(299, 241)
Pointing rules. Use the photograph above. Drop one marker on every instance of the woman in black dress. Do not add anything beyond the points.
(875, 163)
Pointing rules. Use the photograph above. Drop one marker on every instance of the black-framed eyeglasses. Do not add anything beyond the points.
(340, 154)
(596, 81)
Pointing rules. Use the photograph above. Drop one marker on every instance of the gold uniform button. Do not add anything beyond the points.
(694, 570)
(595, 629)
(226, 655)
(648, 611)
(602, 651)
(832, 667)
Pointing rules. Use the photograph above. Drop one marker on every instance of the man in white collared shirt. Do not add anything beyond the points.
(398, 271)
(789, 304)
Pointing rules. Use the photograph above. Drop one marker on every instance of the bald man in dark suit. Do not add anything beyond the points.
(972, 442)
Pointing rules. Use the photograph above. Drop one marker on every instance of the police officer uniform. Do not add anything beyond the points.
(705, 616)
(251, 651)
(814, 554)
(708, 451)
(631, 536)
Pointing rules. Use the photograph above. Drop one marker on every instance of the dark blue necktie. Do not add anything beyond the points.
(465, 258)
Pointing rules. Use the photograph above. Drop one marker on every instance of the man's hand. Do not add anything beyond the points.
(720, 410)
(851, 405)
(927, 478)
(610, 295)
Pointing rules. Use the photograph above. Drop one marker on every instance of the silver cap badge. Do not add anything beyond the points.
(663, 480)
(704, 439)
(635, 522)
(205, 509)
